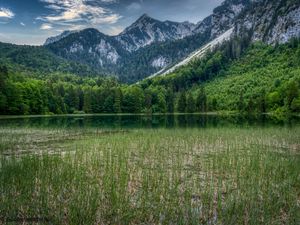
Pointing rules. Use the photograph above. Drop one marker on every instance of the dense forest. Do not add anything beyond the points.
(39, 62)
(237, 76)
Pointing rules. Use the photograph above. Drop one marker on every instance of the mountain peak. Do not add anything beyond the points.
(91, 30)
(64, 34)
(146, 31)
(144, 19)
(141, 22)
(144, 16)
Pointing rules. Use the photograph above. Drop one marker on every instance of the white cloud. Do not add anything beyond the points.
(22, 24)
(46, 26)
(6, 13)
(80, 12)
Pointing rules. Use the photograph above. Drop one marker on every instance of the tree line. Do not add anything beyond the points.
(61, 94)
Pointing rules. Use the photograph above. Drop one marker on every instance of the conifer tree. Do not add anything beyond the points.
(181, 105)
(190, 106)
(201, 102)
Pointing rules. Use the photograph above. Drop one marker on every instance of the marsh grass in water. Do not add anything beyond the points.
(150, 176)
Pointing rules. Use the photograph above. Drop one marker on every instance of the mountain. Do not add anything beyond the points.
(37, 60)
(148, 45)
(161, 56)
(254, 69)
(244, 57)
(270, 21)
(267, 21)
(263, 78)
(64, 34)
(143, 32)
(147, 30)
(90, 47)
(222, 18)
(107, 53)
(198, 53)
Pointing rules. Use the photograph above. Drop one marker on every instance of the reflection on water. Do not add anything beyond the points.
(144, 121)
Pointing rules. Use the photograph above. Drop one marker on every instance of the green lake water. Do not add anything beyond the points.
(147, 121)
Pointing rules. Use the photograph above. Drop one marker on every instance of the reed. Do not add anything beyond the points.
(224, 175)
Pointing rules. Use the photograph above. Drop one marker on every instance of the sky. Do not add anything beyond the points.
(33, 21)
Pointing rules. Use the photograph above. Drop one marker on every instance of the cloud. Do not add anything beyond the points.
(46, 26)
(6, 13)
(22, 24)
(80, 12)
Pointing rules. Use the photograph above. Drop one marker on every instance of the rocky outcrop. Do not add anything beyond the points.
(271, 21)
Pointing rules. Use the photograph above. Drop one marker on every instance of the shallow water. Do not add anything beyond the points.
(147, 121)
(160, 169)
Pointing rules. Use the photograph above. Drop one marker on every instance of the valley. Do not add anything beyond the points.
(161, 122)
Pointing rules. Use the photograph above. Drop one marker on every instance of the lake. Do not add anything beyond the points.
(147, 121)
(160, 169)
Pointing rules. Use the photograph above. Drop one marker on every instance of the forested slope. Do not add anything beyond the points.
(39, 61)
(236, 76)
(258, 78)
(266, 78)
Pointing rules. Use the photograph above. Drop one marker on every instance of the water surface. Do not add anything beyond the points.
(147, 121)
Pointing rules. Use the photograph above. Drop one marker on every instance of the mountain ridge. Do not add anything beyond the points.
(150, 45)
(272, 33)
(140, 24)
